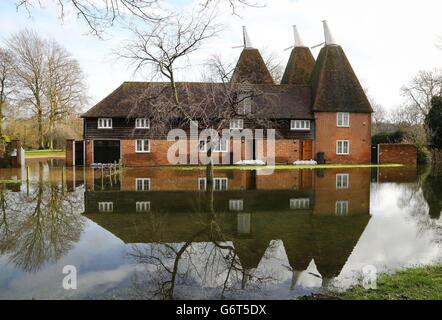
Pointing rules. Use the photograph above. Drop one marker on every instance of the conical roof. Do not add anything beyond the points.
(300, 67)
(251, 68)
(335, 86)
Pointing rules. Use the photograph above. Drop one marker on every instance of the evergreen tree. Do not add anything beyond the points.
(433, 122)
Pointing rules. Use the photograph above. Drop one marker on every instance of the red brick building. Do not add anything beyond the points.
(318, 108)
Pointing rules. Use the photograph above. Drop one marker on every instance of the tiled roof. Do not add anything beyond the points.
(251, 68)
(136, 99)
(300, 67)
(335, 86)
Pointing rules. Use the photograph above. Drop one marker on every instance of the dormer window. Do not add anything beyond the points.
(236, 124)
(244, 104)
(300, 125)
(343, 119)
(142, 123)
(104, 123)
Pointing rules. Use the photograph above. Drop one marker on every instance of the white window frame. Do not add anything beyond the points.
(342, 181)
(220, 181)
(216, 148)
(340, 119)
(144, 182)
(107, 206)
(300, 125)
(202, 181)
(245, 104)
(204, 149)
(104, 123)
(236, 124)
(219, 144)
(236, 205)
(143, 144)
(142, 206)
(202, 184)
(341, 208)
(299, 203)
(342, 153)
(244, 223)
(142, 123)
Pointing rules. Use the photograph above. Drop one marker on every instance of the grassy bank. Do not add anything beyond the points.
(423, 283)
(44, 154)
(286, 167)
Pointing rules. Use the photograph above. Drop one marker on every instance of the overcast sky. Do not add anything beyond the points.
(387, 42)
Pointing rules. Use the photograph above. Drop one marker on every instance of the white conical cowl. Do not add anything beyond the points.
(329, 39)
(298, 39)
(247, 42)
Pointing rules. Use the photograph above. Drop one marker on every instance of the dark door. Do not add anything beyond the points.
(374, 154)
(106, 151)
(79, 153)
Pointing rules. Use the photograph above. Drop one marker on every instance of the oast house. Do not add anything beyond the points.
(319, 110)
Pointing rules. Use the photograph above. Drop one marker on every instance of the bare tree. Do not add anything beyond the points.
(379, 116)
(6, 82)
(419, 92)
(64, 86)
(102, 14)
(162, 49)
(28, 52)
(274, 64)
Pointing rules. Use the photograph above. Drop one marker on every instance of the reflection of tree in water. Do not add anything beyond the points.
(423, 201)
(171, 267)
(41, 227)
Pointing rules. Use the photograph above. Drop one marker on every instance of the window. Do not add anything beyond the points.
(142, 184)
(236, 124)
(342, 147)
(142, 206)
(299, 203)
(341, 208)
(202, 147)
(202, 184)
(142, 146)
(142, 123)
(105, 206)
(219, 184)
(342, 180)
(236, 205)
(244, 104)
(244, 223)
(343, 119)
(221, 146)
(104, 123)
(300, 125)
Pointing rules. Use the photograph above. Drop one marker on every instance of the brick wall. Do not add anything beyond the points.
(357, 194)
(359, 135)
(397, 153)
(286, 151)
(397, 175)
(70, 152)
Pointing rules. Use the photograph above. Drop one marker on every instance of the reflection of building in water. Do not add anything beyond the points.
(432, 190)
(317, 216)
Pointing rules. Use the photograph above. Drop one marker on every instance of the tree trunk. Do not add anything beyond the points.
(1, 118)
(40, 129)
(51, 132)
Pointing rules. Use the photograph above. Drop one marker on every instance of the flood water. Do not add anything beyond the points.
(156, 233)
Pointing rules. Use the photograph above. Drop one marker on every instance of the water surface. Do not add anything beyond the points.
(152, 233)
